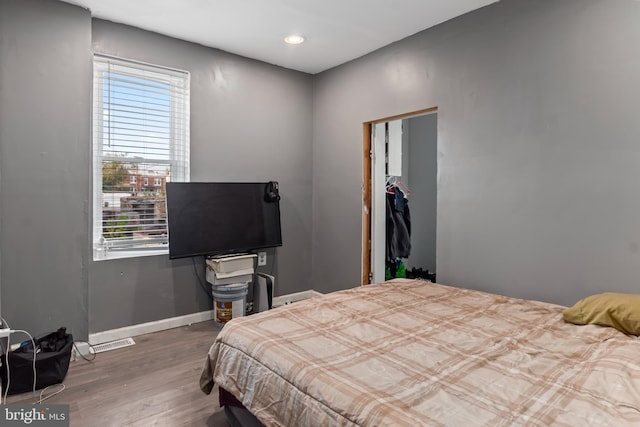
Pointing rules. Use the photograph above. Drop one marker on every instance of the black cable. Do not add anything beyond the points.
(202, 285)
(273, 263)
(82, 355)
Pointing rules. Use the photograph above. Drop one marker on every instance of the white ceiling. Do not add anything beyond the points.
(336, 31)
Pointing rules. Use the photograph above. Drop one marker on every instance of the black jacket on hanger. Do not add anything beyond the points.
(398, 243)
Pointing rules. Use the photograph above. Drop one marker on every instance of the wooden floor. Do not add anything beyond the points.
(154, 382)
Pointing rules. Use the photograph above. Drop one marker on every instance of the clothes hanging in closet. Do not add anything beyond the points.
(398, 243)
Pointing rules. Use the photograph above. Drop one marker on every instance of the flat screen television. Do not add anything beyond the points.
(214, 218)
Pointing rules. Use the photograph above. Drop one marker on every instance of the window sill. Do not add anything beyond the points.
(101, 256)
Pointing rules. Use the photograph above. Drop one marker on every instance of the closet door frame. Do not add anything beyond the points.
(367, 187)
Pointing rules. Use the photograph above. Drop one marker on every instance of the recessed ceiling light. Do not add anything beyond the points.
(293, 39)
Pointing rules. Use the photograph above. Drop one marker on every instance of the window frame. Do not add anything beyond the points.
(178, 163)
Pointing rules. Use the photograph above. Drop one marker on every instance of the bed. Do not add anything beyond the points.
(410, 353)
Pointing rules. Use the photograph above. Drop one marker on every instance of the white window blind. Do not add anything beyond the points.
(140, 136)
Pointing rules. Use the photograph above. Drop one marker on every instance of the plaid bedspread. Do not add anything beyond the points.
(412, 353)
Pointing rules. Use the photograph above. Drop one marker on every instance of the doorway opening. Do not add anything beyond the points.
(408, 162)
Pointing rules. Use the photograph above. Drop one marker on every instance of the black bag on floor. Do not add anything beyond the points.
(52, 362)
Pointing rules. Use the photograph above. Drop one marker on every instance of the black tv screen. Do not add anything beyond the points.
(213, 218)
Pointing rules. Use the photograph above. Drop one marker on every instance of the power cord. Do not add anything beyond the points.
(6, 390)
(3, 400)
(51, 395)
(271, 268)
(61, 385)
(91, 351)
(33, 365)
(6, 360)
(202, 285)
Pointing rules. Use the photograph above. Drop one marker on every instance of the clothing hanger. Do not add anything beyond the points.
(403, 187)
(390, 184)
(396, 181)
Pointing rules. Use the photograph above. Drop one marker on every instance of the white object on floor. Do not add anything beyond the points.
(112, 345)
(295, 297)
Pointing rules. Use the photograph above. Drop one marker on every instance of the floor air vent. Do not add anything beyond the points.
(113, 345)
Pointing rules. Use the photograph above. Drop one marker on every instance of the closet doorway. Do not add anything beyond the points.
(400, 155)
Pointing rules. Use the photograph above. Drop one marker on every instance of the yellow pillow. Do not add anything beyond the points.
(621, 311)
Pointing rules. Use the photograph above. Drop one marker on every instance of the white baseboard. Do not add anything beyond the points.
(295, 297)
(141, 329)
(147, 328)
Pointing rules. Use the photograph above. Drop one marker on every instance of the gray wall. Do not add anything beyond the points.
(538, 162)
(538, 156)
(421, 153)
(250, 121)
(45, 71)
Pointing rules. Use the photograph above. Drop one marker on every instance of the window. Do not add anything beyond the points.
(146, 181)
(140, 128)
(156, 182)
